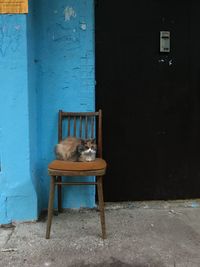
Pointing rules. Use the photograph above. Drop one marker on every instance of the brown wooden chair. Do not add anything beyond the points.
(83, 125)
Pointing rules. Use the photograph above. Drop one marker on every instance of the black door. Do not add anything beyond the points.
(150, 100)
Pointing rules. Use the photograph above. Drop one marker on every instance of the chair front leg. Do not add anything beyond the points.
(50, 207)
(101, 205)
(59, 179)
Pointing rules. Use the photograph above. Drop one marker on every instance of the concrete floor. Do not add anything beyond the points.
(140, 234)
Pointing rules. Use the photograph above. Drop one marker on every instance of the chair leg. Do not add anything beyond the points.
(50, 207)
(101, 205)
(59, 179)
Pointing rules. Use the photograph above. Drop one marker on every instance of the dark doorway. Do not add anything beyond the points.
(150, 100)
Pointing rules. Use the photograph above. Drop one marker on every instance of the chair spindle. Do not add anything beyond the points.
(86, 127)
(92, 127)
(80, 129)
(74, 126)
(68, 133)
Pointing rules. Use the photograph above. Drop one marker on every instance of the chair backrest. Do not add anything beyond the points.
(82, 125)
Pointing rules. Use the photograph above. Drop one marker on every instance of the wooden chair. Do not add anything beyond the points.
(82, 125)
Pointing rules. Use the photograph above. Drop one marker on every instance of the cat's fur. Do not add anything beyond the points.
(76, 149)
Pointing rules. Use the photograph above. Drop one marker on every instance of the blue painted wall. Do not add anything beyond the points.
(65, 62)
(18, 199)
(46, 64)
(33, 98)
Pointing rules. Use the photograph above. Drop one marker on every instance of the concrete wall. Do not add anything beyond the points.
(46, 64)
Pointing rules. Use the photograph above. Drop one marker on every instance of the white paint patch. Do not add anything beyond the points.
(69, 13)
(83, 26)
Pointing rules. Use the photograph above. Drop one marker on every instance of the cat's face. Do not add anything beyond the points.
(87, 150)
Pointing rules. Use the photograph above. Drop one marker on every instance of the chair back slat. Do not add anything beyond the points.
(81, 125)
(74, 126)
(60, 126)
(68, 122)
(100, 134)
(86, 127)
(92, 127)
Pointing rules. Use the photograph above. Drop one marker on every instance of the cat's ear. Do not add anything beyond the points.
(80, 148)
(93, 140)
(82, 141)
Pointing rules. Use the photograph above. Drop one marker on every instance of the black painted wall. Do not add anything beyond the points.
(150, 100)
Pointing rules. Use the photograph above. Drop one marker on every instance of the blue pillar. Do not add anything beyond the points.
(18, 198)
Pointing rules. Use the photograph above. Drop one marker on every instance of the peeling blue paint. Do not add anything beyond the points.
(66, 75)
(46, 64)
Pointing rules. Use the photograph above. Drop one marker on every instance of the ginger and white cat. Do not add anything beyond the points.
(76, 149)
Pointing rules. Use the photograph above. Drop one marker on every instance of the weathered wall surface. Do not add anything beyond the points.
(65, 64)
(46, 64)
(33, 97)
(18, 200)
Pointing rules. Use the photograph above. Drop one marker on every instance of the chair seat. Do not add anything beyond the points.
(60, 165)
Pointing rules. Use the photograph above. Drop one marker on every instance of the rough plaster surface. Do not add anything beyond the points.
(46, 64)
(65, 75)
(139, 236)
(17, 192)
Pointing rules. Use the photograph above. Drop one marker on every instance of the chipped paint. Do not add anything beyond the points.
(9, 37)
(69, 13)
(17, 27)
(83, 26)
(68, 82)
